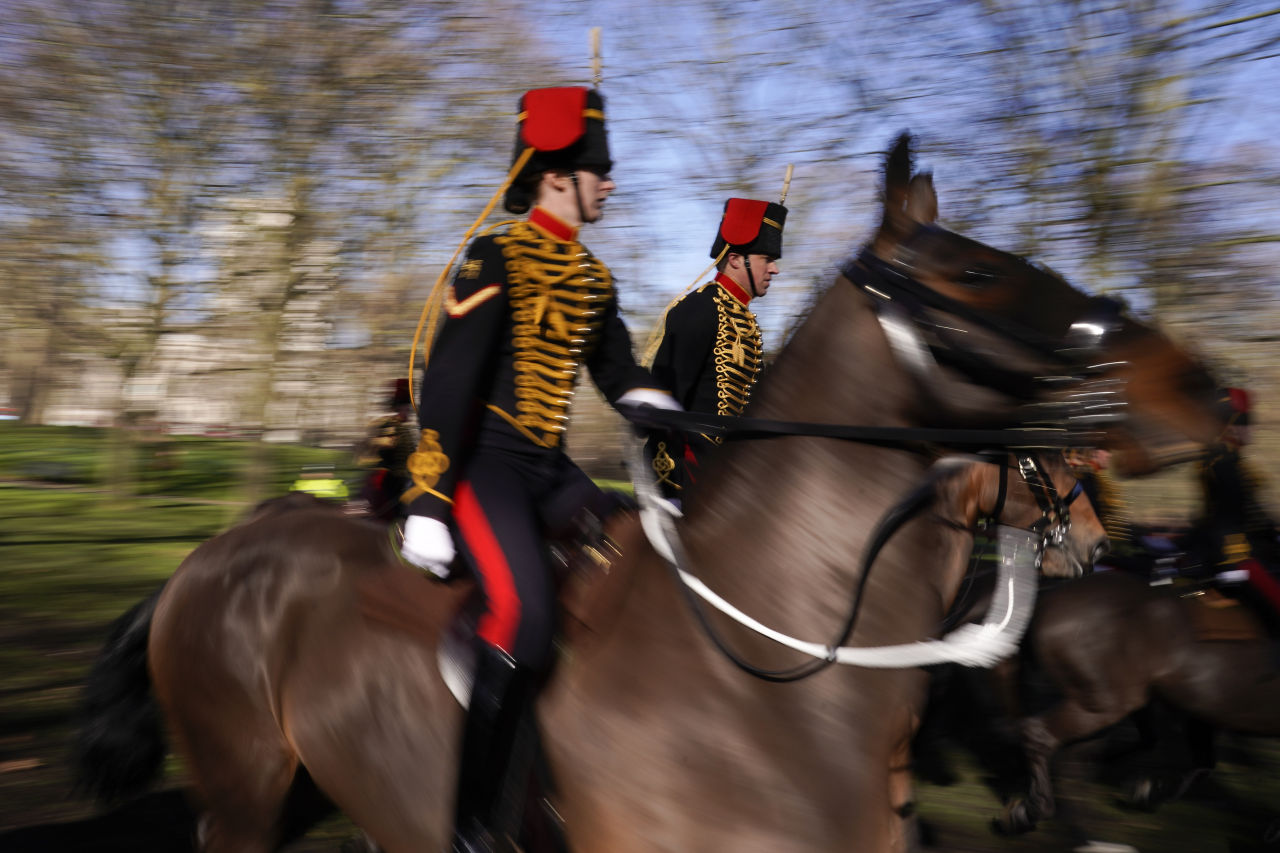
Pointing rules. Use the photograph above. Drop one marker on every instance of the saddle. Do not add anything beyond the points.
(593, 580)
(1220, 618)
(592, 575)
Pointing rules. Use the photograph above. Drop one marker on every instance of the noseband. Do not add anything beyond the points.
(1055, 515)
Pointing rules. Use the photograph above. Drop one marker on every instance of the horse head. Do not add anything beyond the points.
(1051, 353)
(1036, 491)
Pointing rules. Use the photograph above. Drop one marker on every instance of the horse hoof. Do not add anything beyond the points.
(1104, 847)
(1015, 820)
(361, 843)
(1141, 794)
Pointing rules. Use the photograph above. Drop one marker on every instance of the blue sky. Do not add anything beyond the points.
(823, 82)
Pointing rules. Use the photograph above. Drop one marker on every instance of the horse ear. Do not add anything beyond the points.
(922, 199)
(897, 169)
(897, 179)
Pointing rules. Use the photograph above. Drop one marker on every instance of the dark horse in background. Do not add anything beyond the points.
(296, 648)
(1106, 646)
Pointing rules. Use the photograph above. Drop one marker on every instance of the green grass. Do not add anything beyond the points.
(73, 557)
(190, 466)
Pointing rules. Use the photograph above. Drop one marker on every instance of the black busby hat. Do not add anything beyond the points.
(565, 128)
(1234, 406)
(750, 227)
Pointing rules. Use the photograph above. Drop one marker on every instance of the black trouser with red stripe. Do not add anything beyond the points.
(506, 505)
(504, 509)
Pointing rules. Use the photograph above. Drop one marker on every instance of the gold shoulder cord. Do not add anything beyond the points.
(428, 461)
(656, 334)
(431, 308)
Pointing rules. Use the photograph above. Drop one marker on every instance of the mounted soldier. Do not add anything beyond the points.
(1239, 536)
(389, 441)
(529, 307)
(711, 352)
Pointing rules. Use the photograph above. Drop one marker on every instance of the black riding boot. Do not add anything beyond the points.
(501, 696)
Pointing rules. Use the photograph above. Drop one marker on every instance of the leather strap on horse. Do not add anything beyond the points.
(867, 265)
(740, 428)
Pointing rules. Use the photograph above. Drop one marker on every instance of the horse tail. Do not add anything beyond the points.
(119, 747)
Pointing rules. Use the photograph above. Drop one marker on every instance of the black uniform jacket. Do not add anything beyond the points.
(527, 308)
(709, 359)
(1239, 524)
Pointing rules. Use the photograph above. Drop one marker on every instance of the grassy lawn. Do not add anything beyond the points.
(73, 556)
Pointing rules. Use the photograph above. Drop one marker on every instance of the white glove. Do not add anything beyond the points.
(655, 397)
(428, 545)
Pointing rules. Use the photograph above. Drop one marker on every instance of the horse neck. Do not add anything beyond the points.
(806, 507)
(837, 368)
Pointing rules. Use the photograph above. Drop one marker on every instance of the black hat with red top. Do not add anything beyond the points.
(1235, 405)
(564, 127)
(750, 227)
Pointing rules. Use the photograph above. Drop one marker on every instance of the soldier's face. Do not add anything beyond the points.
(763, 269)
(594, 187)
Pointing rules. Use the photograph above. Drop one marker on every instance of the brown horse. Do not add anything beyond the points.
(270, 651)
(1107, 645)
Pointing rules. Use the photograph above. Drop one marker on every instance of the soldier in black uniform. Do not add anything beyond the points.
(389, 441)
(711, 354)
(1239, 534)
(528, 308)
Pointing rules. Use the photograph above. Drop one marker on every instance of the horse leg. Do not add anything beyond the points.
(1200, 746)
(905, 831)
(1041, 737)
(242, 773)
(1040, 745)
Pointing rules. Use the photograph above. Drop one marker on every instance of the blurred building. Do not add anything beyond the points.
(256, 360)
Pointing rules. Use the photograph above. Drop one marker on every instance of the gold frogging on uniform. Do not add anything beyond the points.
(426, 464)
(738, 353)
(558, 292)
(664, 465)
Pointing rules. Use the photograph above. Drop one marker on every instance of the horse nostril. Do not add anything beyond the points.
(1101, 550)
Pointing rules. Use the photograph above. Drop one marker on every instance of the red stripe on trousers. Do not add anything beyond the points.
(499, 622)
(1264, 583)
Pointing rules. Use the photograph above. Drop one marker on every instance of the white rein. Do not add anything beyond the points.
(970, 645)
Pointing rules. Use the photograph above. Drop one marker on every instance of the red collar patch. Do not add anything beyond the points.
(552, 226)
(735, 289)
